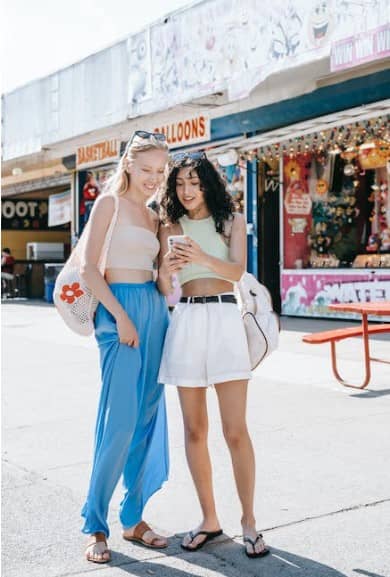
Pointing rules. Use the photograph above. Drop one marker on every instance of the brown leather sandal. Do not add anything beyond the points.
(139, 532)
(93, 540)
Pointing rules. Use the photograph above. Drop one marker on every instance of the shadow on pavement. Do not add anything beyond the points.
(367, 573)
(227, 559)
(370, 394)
(309, 325)
(27, 302)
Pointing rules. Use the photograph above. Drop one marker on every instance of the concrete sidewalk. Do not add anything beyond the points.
(323, 480)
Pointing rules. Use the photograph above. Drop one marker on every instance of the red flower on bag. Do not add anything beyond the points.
(71, 292)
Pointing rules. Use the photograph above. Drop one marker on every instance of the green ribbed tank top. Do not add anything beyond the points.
(203, 232)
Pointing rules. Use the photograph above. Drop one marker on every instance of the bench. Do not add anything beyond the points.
(340, 334)
(336, 335)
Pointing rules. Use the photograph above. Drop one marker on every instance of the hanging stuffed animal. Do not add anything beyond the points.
(373, 243)
(385, 240)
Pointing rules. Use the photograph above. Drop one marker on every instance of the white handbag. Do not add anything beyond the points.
(72, 297)
(261, 323)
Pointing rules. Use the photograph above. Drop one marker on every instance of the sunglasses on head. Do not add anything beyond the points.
(198, 155)
(147, 135)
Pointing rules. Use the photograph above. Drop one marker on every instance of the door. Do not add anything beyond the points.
(269, 230)
(251, 217)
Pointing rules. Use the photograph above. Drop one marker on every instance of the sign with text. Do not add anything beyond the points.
(310, 294)
(187, 131)
(365, 47)
(99, 153)
(28, 214)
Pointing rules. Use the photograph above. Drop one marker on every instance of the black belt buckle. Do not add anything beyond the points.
(228, 299)
(209, 299)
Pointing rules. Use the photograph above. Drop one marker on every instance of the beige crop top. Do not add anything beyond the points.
(132, 247)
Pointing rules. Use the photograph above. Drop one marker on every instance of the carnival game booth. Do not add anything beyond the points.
(36, 227)
(334, 207)
(336, 218)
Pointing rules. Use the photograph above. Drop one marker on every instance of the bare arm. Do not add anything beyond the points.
(168, 263)
(100, 219)
(234, 269)
(231, 270)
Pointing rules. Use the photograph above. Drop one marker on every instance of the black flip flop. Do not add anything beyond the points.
(253, 543)
(209, 535)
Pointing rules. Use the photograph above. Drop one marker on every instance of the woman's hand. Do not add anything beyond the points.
(190, 252)
(172, 263)
(126, 330)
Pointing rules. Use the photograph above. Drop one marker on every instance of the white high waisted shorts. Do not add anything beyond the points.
(205, 344)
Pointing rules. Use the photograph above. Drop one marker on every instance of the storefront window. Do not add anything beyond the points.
(91, 183)
(336, 203)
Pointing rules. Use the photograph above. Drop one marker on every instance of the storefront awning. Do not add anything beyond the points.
(315, 125)
(39, 184)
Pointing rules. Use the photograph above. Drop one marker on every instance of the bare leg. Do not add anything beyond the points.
(232, 398)
(194, 409)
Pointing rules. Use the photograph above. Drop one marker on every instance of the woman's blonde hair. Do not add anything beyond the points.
(119, 182)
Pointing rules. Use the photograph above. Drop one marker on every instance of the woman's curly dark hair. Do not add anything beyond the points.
(218, 200)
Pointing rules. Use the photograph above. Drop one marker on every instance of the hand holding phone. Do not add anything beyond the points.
(177, 239)
(173, 263)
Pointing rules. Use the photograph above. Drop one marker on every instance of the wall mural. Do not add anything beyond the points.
(140, 80)
(219, 45)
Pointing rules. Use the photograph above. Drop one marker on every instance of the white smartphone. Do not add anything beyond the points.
(176, 239)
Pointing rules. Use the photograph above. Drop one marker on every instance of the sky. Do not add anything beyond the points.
(41, 36)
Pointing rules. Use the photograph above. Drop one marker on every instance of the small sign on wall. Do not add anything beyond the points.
(60, 208)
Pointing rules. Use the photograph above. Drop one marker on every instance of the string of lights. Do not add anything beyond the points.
(347, 139)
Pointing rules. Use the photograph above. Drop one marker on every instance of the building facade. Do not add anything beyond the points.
(288, 100)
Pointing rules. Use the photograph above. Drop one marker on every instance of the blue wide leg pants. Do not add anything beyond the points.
(131, 430)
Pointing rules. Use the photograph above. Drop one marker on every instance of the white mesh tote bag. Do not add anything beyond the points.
(260, 321)
(72, 298)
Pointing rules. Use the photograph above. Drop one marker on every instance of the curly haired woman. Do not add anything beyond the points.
(206, 342)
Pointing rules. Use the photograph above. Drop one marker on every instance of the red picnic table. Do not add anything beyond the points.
(381, 308)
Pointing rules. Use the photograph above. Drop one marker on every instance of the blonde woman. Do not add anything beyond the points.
(130, 325)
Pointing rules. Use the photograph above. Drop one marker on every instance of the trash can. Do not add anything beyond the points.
(51, 271)
(49, 289)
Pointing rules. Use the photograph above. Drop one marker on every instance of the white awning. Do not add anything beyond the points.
(285, 133)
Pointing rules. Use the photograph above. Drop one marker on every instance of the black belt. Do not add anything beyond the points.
(210, 299)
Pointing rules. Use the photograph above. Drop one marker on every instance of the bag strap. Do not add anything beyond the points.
(107, 240)
(248, 298)
(228, 228)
